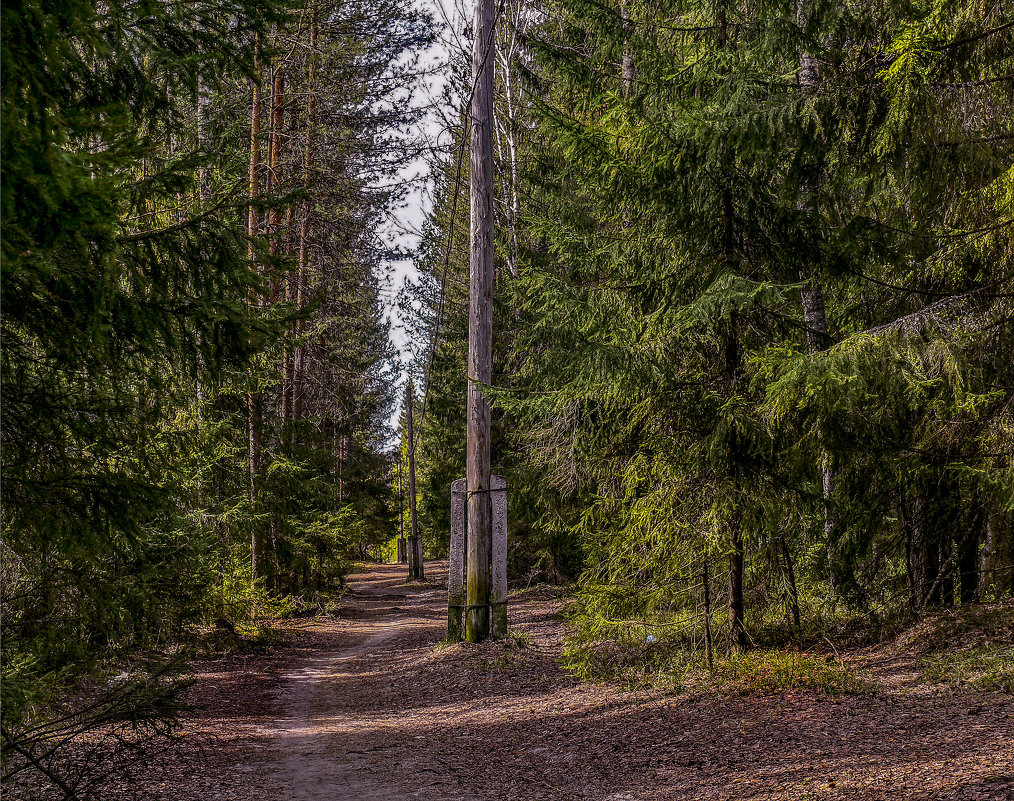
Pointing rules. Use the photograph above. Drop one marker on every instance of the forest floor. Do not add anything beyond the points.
(369, 707)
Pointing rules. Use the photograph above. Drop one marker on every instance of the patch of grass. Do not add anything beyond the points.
(445, 643)
(984, 667)
(499, 664)
(675, 667)
(964, 628)
(634, 664)
(968, 647)
(517, 639)
(846, 629)
(766, 672)
(604, 660)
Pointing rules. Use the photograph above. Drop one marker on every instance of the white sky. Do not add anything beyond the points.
(403, 224)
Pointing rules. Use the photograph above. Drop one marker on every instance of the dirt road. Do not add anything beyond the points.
(369, 708)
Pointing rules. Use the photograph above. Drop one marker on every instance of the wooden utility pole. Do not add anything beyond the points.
(480, 328)
(415, 556)
(402, 553)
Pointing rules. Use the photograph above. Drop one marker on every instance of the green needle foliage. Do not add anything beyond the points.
(124, 292)
(140, 316)
(760, 318)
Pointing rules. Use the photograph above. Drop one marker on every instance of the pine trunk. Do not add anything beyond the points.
(291, 280)
(737, 626)
(254, 398)
(626, 61)
(790, 574)
(709, 650)
(303, 267)
(275, 163)
(812, 294)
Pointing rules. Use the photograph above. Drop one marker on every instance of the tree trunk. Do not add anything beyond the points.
(254, 421)
(303, 267)
(709, 650)
(291, 280)
(946, 557)
(923, 556)
(274, 234)
(274, 163)
(626, 61)
(254, 398)
(968, 564)
(793, 590)
(812, 294)
(737, 625)
(943, 519)
(509, 135)
(905, 514)
(402, 547)
(341, 468)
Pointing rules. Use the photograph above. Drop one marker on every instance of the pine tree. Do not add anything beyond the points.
(144, 301)
(125, 280)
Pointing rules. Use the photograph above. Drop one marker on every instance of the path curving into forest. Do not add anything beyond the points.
(369, 707)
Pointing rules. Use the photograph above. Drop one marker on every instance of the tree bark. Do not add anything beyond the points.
(626, 61)
(402, 549)
(790, 573)
(274, 231)
(737, 626)
(709, 650)
(274, 162)
(291, 279)
(923, 555)
(507, 137)
(302, 270)
(996, 559)
(818, 335)
(737, 622)
(968, 565)
(254, 398)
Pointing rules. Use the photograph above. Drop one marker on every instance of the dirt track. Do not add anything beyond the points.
(367, 707)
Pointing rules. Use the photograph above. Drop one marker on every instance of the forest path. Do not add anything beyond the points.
(323, 698)
(369, 707)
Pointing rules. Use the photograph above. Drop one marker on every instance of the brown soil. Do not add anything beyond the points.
(369, 708)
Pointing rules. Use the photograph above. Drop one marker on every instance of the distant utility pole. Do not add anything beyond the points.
(480, 329)
(402, 553)
(415, 552)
